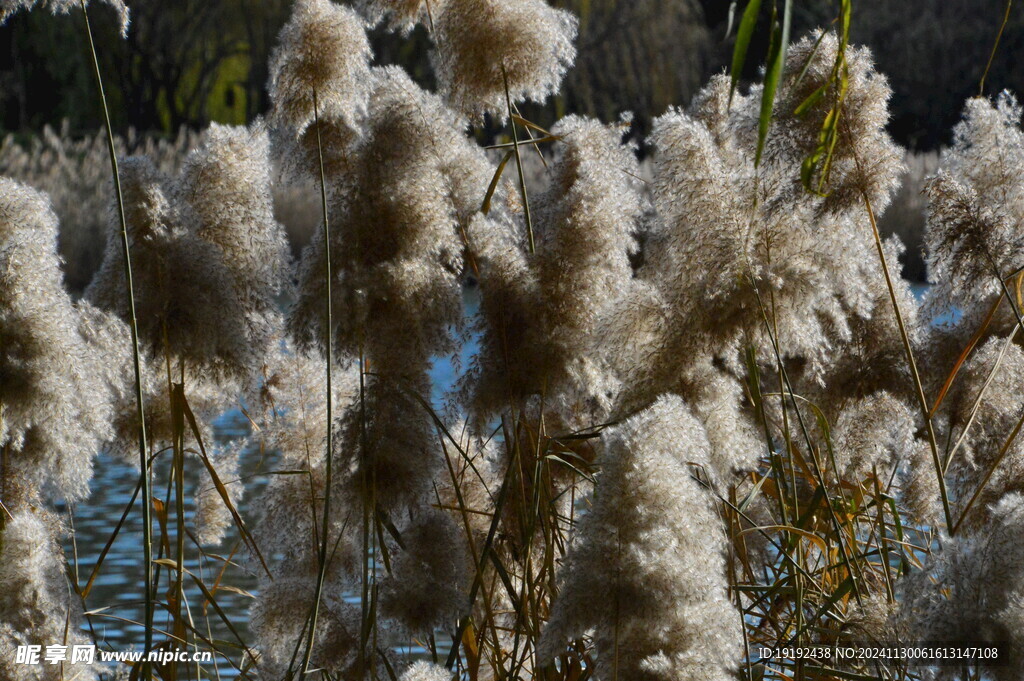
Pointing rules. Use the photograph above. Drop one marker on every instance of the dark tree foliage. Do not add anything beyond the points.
(183, 63)
(933, 52)
(192, 61)
(641, 56)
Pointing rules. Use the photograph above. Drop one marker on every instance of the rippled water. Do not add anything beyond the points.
(115, 602)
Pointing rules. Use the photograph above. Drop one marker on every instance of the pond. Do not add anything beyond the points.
(115, 601)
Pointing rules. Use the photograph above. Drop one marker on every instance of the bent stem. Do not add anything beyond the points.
(322, 558)
(147, 546)
(995, 47)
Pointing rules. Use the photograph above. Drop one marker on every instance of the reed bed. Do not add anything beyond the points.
(74, 171)
(703, 415)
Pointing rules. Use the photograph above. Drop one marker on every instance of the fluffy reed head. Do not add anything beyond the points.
(322, 50)
(424, 671)
(767, 249)
(396, 269)
(971, 592)
(55, 400)
(979, 412)
(288, 400)
(975, 211)
(653, 544)
(585, 222)
(277, 621)
(35, 603)
(322, 58)
(219, 485)
(541, 313)
(225, 193)
(209, 259)
(429, 581)
(401, 15)
(504, 370)
(387, 447)
(184, 294)
(865, 159)
(10, 7)
(397, 253)
(482, 45)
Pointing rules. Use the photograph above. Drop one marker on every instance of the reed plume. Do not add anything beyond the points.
(653, 543)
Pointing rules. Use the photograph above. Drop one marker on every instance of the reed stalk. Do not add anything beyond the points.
(329, 351)
(147, 540)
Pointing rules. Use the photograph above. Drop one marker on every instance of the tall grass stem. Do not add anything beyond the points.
(922, 400)
(147, 541)
(329, 350)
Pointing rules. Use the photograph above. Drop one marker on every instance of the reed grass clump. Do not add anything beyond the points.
(980, 591)
(35, 601)
(542, 308)
(974, 206)
(55, 402)
(74, 171)
(653, 545)
(211, 257)
(57, 399)
(697, 412)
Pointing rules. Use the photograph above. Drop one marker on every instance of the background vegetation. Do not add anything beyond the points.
(191, 62)
(186, 64)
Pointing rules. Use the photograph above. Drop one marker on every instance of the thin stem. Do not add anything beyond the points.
(995, 47)
(5, 462)
(322, 558)
(1016, 429)
(364, 596)
(519, 164)
(179, 504)
(988, 474)
(922, 400)
(147, 530)
(852, 567)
